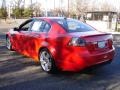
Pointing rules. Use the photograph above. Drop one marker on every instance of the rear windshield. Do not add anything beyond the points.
(72, 25)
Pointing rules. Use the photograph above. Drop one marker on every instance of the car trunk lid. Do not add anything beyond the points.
(95, 40)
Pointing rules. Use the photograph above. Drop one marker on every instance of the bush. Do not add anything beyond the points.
(27, 12)
(18, 12)
(21, 12)
(3, 13)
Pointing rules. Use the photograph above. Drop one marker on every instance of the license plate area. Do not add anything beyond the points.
(101, 44)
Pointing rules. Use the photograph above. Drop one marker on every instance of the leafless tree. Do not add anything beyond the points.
(81, 6)
(71, 8)
(105, 6)
(17, 3)
(37, 9)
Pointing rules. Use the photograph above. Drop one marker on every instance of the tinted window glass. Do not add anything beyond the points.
(46, 27)
(36, 26)
(62, 22)
(25, 26)
(77, 26)
(74, 25)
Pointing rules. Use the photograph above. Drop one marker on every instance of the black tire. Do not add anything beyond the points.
(8, 43)
(46, 58)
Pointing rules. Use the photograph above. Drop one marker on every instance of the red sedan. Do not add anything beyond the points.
(61, 43)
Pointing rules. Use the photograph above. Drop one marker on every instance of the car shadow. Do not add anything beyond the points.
(11, 61)
(103, 78)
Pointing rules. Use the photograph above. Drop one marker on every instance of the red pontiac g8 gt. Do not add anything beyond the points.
(61, 43)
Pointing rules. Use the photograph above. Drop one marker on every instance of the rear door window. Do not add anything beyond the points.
(36, 26)
(40, 26)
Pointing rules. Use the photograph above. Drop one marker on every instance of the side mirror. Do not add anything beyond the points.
(15, 29)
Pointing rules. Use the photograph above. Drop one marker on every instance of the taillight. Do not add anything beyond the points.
(110, 43)
(76, 41)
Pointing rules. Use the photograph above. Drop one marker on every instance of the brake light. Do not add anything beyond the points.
(76, 41)
(110, 42)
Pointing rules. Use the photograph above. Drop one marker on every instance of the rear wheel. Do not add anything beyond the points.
(8, 43)
(47, 61)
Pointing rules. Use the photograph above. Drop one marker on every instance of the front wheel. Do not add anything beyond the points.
(47, 61)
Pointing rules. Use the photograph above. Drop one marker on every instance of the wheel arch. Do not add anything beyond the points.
(50, 50)
(41, 48)
(54, 66)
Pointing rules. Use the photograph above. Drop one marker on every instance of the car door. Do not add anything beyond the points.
(22, 38)
(37, 35)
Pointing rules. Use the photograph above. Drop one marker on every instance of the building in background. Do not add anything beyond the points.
(104, 20)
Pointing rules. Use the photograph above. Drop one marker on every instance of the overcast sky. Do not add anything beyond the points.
(50, 3)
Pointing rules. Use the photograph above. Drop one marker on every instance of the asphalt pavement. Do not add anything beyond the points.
(18, 72)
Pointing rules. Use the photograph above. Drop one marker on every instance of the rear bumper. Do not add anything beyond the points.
(77, 61)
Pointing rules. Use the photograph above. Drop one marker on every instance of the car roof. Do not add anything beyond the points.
(49, 18)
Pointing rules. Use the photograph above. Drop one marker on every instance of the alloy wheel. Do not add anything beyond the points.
(45, 60)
